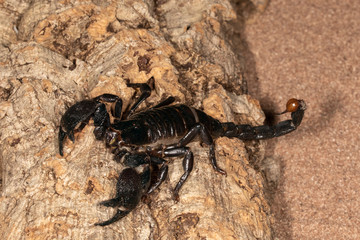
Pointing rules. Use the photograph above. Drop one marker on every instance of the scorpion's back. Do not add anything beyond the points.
(167, 123)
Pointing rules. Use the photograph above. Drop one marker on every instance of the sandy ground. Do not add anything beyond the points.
(311, 50)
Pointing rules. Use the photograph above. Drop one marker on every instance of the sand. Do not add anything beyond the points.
(311, 50)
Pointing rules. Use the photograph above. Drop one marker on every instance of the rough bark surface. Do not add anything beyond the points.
(56, 53)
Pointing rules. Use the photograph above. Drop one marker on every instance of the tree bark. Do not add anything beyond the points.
(56, 53)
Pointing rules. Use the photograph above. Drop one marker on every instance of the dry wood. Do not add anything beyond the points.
(55, 53)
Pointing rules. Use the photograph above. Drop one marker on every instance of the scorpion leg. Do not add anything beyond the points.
(116, 110)
(166, 102)
(161, 175)
(145, 89)
(200, 129)
(107, 97)
(247, 132)
(188, 163)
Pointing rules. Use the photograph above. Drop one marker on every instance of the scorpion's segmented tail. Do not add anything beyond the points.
(248, 132)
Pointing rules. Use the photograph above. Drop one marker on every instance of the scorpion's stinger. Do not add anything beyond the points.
(292, 105)
(248, 132)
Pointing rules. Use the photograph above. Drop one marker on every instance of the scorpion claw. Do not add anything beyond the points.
(128, 195)
(110, 203)
(79, 114)
(71, 136)
(131, 186)
(76, 114)
(119, 215)
(61, 138)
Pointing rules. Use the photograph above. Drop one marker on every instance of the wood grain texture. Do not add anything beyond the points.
(66, 51)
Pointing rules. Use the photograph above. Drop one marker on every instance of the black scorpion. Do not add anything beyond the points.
(141, 140)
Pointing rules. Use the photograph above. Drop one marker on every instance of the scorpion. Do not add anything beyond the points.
(140, 140)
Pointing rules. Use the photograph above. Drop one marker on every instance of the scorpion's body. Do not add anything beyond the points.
(164, 124)
(142, 139)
